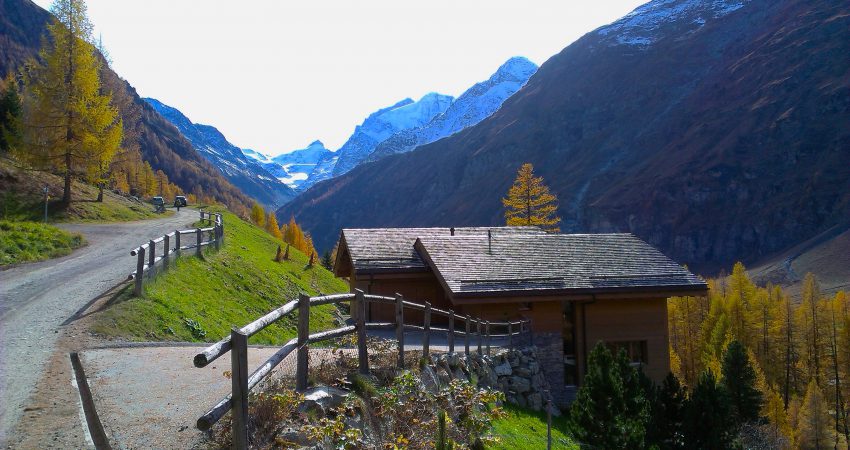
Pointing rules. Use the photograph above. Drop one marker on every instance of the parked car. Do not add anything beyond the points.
(179, 201)
(158, 203)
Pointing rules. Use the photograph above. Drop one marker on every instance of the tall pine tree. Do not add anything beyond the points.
(739, 379)
(529, 202)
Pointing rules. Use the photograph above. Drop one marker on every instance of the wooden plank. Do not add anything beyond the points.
(140, 272)
(466, 336)
(239, 378)
(335, 298)
(451, 336)
(302, 363)
(331, 334)
(426, 336)
(362, 350)
(399, 329)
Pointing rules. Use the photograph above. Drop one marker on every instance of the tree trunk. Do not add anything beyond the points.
(66, 193)
(100, 193)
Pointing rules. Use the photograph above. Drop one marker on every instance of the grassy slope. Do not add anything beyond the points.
(31, 241)
(231, 287)
(527, 429)
(22, 199)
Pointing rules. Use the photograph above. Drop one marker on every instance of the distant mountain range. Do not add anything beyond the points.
(716, 130)
(401, 127)
(245, 173)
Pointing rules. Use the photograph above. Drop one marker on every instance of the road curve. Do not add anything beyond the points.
(35, 299)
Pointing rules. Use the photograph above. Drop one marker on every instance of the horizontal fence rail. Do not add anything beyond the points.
(174, 243)
(237, 344)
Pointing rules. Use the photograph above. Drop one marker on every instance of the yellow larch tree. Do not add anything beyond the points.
(272, 227)
(815, 425)
(69, 125)
(258, 215)
(529, 202)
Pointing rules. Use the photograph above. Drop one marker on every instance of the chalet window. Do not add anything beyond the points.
(635, 350)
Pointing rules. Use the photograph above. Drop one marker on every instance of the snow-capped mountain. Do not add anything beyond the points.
(645, 25)
(473, 106)
(295, 167)
(379, 126)
(246, 173)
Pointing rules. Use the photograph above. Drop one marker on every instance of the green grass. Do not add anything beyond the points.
(231, 287)
(22, 199)
(527, 430)
(32, 241)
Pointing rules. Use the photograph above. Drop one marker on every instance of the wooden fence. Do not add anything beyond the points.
(237, 344)
(172, 244)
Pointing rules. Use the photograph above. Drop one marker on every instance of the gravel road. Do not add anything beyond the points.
(35, 300)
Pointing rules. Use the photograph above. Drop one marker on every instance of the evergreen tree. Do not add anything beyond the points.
(611, 410)
(814, 421)
(258, 215)
(68, 125)
(10, 113)
(707, 423)
(529, 202)
(667, 410)
(327, 262)
(739, 379)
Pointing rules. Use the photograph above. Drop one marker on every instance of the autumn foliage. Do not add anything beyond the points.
(529, 202)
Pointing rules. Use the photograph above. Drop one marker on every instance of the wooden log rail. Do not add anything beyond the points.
(160, 250)
(237, 345)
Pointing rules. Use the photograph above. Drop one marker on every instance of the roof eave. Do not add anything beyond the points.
(670, 291)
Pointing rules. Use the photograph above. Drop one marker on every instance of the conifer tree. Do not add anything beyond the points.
(814, 421)
(271, 226)
(611, 410)
(667, 404)
(739, 379)
(10, 113)
(258, 215)
(774, 410)
(529, 202)
(707, 421)
(68, 124)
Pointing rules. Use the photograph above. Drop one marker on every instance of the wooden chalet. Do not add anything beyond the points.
(577, 289)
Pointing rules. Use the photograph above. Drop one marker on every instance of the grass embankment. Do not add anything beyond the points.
(22, 199)
(201, 299)
(30, 241)
(522, 428)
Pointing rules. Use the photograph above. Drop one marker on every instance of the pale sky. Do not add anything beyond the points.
(276, 75)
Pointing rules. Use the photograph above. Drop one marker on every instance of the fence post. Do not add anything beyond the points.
(362, 350)
(426, 337)
(198, 239)
(177, 242)
(451, 331)
(215, 234)
(399, 328)
(140, 272)
(548, 420)
(202, 217)
(466, 336)
(151, 256)
(478, 334)
(165, 250)
(487, 331)
(510, 335)
(303, 334)
(239, 378)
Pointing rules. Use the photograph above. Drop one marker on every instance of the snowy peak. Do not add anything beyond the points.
(379, 126)
(645, 25)
(311, 154)
(477, 103)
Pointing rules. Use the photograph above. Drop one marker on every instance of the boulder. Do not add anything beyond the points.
(535, 401)
(503, 369)
(321, 399)
(520, 384)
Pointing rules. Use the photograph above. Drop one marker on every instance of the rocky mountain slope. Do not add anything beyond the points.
(22, 24)
(293, 168)
(716, 130)
(245, 173)
(476, 104)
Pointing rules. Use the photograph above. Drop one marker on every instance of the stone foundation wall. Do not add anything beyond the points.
(519, 374)
(550, 355)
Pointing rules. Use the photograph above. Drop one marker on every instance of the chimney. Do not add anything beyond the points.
(489, 242)
(452, 231)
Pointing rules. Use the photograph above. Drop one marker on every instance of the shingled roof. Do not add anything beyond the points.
(544, 264)
(375, 250)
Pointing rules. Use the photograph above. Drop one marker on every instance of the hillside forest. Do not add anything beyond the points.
(799, 350)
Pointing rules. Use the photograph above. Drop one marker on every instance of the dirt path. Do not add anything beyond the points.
(37, 299)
